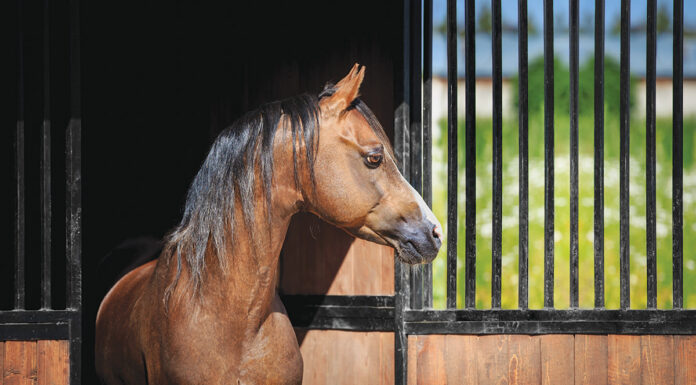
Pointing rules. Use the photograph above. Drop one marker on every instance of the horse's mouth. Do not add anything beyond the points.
(408, 253)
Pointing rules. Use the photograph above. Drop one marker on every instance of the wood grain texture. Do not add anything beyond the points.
(524, 362)
(318, 258)
(657, 360)
(431, 360)
(412, 363)
(343, 357)
(20, 363)
(2, 362)
(386, 367)
(685, 360)
(492, 359)
(590, 359)
(557, 359)
(54, 362)
(460, 359)
(623, 360)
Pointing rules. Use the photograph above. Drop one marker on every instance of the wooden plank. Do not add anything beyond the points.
(685, 357)
(431, 360)
(386, 370)
(20, 363)
(412, 366)
(623, 359)
(557, 359)
(492, 359)
(590, 359)
(657, 360)
(54, 362)
(2, 362)
(524, 362)
(461, 351)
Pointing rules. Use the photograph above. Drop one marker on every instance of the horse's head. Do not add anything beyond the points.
(358, 186)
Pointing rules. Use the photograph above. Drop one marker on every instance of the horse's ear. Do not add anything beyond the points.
(346, 91)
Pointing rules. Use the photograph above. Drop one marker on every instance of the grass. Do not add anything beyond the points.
(562, 216)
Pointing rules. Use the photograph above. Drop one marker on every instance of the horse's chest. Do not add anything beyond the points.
(219, 355)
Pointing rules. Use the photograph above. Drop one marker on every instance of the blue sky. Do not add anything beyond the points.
(535, 12)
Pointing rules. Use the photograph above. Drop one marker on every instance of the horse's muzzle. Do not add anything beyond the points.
(418, 243)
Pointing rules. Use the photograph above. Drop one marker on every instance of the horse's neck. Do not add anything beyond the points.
(248, 282)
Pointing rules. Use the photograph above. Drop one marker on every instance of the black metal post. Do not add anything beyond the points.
(548, 154)
(470, 144)
(523, 122)
(624, 122)
(599, 155)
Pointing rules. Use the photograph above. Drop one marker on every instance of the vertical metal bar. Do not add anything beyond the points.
(548, 154)
(73, 153)
(416, 136)
(574, 44)
(401, 145)
(677, 156)
(599, 155)
(523, 122)
(650, 197)
(470, 144)
(624, 122)
(46, 164)
(73, 161)
(497, 215)
(452, 162)
(19, 219)
(427, 134)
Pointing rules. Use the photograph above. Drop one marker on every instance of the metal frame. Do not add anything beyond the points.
(48, 323)
(410, 304)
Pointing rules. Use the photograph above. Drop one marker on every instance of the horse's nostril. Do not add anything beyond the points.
(437, 232)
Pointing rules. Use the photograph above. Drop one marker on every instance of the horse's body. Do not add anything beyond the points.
(207, 311)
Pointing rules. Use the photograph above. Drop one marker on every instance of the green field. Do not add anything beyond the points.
(562, 207)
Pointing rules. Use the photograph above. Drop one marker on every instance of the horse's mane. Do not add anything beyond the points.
(228, 174)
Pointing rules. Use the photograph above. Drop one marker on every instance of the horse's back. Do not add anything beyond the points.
(118, 350)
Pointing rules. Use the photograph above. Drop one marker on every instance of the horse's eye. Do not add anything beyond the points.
(373, 160)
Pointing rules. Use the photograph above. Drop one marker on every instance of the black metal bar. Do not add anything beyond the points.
(650, 197)
(624, 122)
(34, 332)
(497, 215)
(73, 161)
(19, 217)
(574, 52)
(599, 155)
(364, 313)
(416, 136)
(401, 149)
(452, 162)
(548, 154)
(677, 156)
(46, 165)
(523, 125)
(427, 134)
(470, 144)
(551, 321)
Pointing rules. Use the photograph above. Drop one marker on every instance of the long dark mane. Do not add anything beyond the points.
(229, 172)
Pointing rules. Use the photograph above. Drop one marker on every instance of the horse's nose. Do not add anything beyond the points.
(436, 235)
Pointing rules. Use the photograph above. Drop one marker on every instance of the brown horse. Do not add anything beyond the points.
(207, 311)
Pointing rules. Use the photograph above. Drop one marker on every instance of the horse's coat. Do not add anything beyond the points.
(207, 311)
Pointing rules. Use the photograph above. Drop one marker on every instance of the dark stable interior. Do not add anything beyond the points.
(160, 80)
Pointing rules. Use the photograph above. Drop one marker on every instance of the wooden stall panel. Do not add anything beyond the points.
(524, 365)
(591, 359)
(54, 362)
(343, 357)
(623, 360)
(657, 360)
(318, 258)
(685, 360)
(20, 366)
(557, 359)
(551, 359)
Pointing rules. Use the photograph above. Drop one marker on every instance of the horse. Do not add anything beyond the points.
(206, 311)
